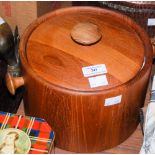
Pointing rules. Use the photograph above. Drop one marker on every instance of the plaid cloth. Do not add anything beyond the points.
(39, 132)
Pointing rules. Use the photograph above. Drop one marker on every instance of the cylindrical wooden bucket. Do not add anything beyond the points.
(86, 72)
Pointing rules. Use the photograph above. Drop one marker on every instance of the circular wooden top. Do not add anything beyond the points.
(55, 57)
(86, 33)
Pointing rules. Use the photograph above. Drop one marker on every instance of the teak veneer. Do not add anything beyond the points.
(56, 90)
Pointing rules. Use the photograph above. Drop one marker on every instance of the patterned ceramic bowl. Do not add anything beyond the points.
(14, 141)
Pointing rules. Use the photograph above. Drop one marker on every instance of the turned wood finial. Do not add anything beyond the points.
(86, 33)
(13, 83)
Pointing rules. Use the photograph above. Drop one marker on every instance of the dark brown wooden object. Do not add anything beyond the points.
(57, 91)
(8, 102)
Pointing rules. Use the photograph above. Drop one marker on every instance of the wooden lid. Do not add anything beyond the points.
(55, 57)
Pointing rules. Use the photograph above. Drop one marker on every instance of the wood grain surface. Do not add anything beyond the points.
(120, 49)
(131, 145)
(86, 33)
(56, 90)
(139, 11)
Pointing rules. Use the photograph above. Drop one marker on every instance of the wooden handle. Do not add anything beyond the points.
(153, 46)
(13, 83)
(86, 33)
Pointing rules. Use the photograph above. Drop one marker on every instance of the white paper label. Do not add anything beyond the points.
(1, 21)
(113, 100)
(151, 22)
(98, 81)
(153, 83)
(94, 70)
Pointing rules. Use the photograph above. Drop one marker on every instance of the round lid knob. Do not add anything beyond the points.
(86, 33)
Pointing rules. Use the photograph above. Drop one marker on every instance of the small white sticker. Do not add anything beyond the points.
(151, 22)
(94, 70)
(1, 21)
(98, 81)
(153, 83)
(113, 100)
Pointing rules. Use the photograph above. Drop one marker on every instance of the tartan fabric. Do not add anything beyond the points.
(39, 132)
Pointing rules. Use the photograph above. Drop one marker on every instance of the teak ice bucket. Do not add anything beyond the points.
(86, 116)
